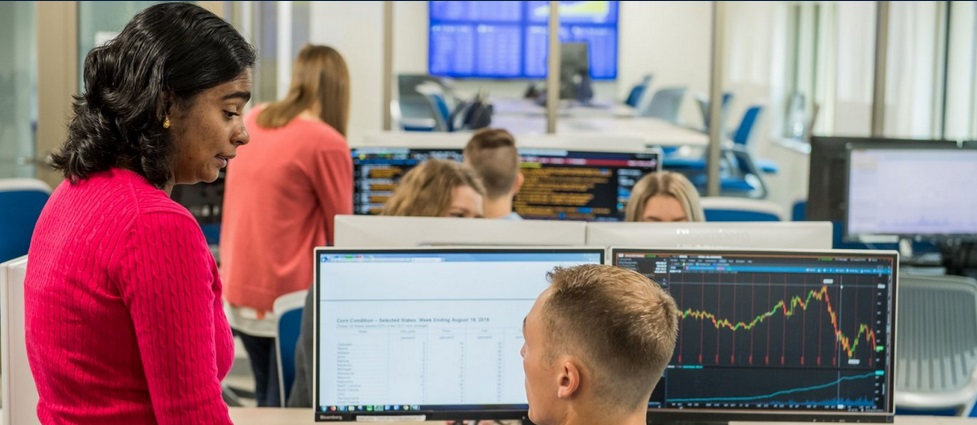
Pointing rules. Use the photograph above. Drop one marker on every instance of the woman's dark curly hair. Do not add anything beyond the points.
(178, 49)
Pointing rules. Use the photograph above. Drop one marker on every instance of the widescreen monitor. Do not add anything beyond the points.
(376, 231)
(559, 184)
(756, 235)
(920, 191)
(775, 335)
(827, 193)
(509, 39)
(426, 334)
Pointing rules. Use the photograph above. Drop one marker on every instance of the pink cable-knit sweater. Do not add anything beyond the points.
(124, 316)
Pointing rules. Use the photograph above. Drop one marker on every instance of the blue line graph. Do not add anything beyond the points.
(774, 394)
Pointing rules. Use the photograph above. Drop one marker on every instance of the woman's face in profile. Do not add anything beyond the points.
(664, 208)
(465, 203)
(208, 130)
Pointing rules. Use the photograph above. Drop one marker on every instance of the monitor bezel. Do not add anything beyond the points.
(506, 413)
(686, 414)
(897, 145)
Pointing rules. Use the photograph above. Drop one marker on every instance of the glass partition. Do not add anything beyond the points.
(18, 88)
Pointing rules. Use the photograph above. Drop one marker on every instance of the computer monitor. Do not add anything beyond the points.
(827, 192)
(920, 191)
(575, 72)
(775, 335)
(19, 392)
(510, 39)
(205, 201)
(766, 235)
(376, 231)
(559, 184)
(426, 334)
(377, 170)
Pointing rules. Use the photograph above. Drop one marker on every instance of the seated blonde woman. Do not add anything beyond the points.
(664, 197)
(438, 188)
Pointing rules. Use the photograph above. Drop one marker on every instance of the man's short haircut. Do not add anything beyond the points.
(622, 324)
(492, 153)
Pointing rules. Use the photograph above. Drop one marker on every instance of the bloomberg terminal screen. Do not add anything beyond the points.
(573, 185)
(508, 39)
(559, 184)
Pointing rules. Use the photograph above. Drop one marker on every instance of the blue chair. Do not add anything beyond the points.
(22, 200)
(740, 209)
(665, 104)
(744, 134)
(288, 310)
(798, 211)
(637, 95)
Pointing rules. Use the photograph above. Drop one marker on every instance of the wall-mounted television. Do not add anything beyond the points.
(509, 39)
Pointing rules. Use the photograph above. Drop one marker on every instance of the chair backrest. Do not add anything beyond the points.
(23, 200)
(288, 310)
(745, 130)
(936, 353)
(439, 105)
(665, 104)
(719, 208)
(639, 92)
(703, 102)
(798, 211)
(18, 388)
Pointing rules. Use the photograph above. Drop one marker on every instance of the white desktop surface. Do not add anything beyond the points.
(274, 416)
(648, 129)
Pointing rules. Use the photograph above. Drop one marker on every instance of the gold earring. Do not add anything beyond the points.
(166, 121)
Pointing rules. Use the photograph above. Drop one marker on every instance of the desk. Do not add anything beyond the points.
(648, 130)
(272, 416)
(567, 108)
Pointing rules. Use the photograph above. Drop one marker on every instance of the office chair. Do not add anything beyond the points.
(665, 104)
(936, 354)
(744, 135)
(288, 308)
(23, 199)
(703, 102)
(720, 208)
(798, 211)
(439, 106)
(638, 93)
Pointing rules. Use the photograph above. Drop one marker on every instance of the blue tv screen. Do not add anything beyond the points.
(508, 39)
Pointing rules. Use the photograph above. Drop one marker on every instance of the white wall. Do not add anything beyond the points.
(354, 28)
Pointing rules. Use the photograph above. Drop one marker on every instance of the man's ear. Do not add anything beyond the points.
(569, 378)
(518, 185)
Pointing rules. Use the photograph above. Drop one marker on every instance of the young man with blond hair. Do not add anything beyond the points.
(596, 343)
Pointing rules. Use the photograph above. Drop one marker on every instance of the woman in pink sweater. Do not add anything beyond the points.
(124, 317)
(280, 198)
